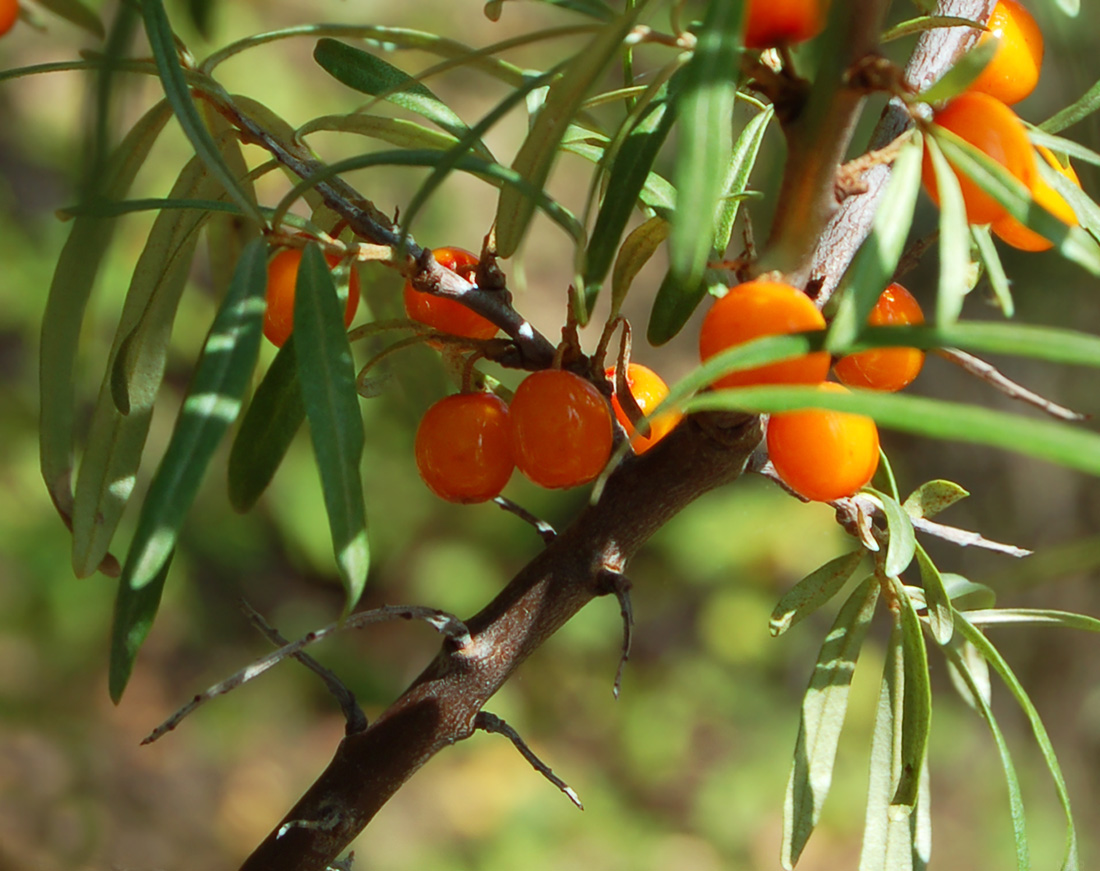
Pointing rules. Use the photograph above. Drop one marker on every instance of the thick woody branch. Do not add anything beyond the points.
(442, 705)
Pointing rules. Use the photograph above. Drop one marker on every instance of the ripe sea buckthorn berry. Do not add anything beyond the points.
(886, 368)
(783, 22)
(448, 315)
(990, 126)
(9, 14)
(282, 278)
(649, 390)
(464, 447)
(1013, 233)
(1014, 70)
(763, 308)
(561, 429)
(824, 455)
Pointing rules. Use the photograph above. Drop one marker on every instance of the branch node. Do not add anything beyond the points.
(492, 723)
(326, 823)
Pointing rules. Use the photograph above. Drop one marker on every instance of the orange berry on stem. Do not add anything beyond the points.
(886, 368)
(463, 447)
(561, 429)
(449, 315)
(649, 390)
(783, 22)
(282, 279)
(1012, 232)
(757, 309)
(990, 126)
(1013, 72)
(824, 455)
(9, 14)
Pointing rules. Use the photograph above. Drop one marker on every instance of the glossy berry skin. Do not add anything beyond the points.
(561, 429)
(1014, 71)
(886, 368)
(447, 315)
(1013, 233)
(649, 390)
(990, 126)
(282, 277)
(783, 22)
(9, 14)
(763, 308)
(824, 455)
(463, 447)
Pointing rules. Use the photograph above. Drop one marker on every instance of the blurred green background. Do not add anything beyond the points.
(688, 769)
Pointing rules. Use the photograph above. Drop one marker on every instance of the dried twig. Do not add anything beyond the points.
(619, 585)
(545, 530)
(492, 723)
(991, 375)
(966, 538)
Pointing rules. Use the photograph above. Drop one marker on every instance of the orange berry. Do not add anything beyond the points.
(649, 390)
(824, 455)
(463, 447)
(449, 315)
(282, 278)
(763, 308)
(9, 14)
(990, 126)
(1014, 71)
(561, 429)
(1012, 232)
(886, 368)
(783, 22)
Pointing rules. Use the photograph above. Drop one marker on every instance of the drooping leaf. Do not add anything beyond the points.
(953, 242)
(916, 723)
(274, 416)
(212, 404)
(634, 253)
(991, 260)
(327, 376)
(1032, 617)
(936, 598)
(536, 155)
(76, 271)
(823, 710)
(903, 541)
(1080, 109)
(813, 591)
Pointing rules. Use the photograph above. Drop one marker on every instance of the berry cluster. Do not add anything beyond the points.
(981, 116)
(824, 455)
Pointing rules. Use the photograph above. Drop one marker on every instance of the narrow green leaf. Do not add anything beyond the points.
(274, 416)
(395, 131)
(921, 822)
(936, 599)
(73, 278)
(1080, 109)
(117, 434)
(964, 593)
(212, 404)
(877, 259)
(953, 242)
(1055, 442)
(592, 8)
(1032, 617)
(1071, 860)
(626, 179)
(991, 260)
(327, 376)
(1072, 8)
(742, 161)
(705, 130)
(932, 497)
(1061, 145)
(903, 541)
(823, 710)
(675, 303)
(913, 26)
(536, 155)
(637, 248)
(917, 706)
(162, 42)
(978, 689)
(368, 74)
(977, 686)
(813, 591)
(76, 13)
(962, 73)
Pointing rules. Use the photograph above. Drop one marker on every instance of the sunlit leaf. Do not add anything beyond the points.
(936, 598)
(932, 497)
(1032, 617)
(742, 161)
(917, 705)
(1080, 109)
(634, 253)
(953, 242)
(903, 541)
(395, 131)
(212, 404)
(813, 591)
(991, 260)
(823, 710)
(327, 376)
(913, 26)
(961, 74)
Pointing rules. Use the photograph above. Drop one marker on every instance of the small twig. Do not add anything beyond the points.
(441, 621)
(620, 585)
(911, 259)
(545, 530)
(492, 723)
(849, 177)
(356, 720)
(989, 373)
(966, 538)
